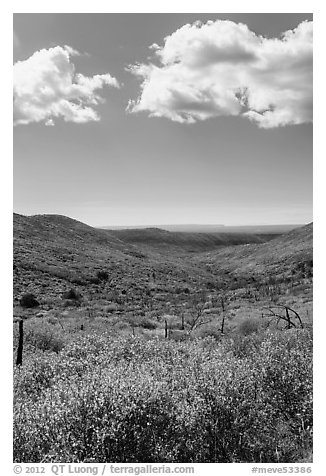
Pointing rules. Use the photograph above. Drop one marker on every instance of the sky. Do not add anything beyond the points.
(133, 119)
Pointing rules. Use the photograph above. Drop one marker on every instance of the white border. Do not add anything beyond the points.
(6, 188)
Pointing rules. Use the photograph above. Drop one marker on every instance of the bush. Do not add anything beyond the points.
(111, 308)
(135, 400)
(72, 294)
(178, 335)
(102, 275)
(71, 303)
(249, 326)
(46, 340)
(29, 301)
(209, 332)
(43, 335)
(147, 323)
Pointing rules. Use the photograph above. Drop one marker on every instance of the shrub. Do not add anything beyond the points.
(135, 400)
(29, 301)
(72, 294)
(178, 335)
(102, 275)
(209, 332)
(249, 326)
(44, 335)
(146, 323)
(71, 303)
(138, 320)
(111, 308)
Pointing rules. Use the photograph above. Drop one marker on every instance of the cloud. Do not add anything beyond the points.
(221, 68)
(46, 87)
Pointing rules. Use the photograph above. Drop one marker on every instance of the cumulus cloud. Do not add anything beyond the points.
(46, 87)
(221, 68)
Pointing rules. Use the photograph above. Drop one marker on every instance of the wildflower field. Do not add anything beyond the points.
(95, 396)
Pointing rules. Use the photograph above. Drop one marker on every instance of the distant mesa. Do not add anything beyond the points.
(209, 228)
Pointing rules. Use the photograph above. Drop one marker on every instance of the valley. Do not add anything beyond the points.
(154, 273)
(157, 346)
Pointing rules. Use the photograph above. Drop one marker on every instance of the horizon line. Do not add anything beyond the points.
(201, 224)
(158, 225)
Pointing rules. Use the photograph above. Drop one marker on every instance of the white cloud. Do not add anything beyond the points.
(46, 87)
(222, 68)
(49, 122)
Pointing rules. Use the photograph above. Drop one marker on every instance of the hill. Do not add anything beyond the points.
(202, 228)
(281, 254)
(46, 228)
(53, 253)
(167, 241)
(154, 272)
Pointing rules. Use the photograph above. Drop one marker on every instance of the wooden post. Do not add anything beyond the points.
(182, 322)
(222, 326)
(19, 360)
(166, 329)
(288, 318)
(223, 315)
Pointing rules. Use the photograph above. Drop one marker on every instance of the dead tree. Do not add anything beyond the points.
(196, 312)
(223, 315)
(182, 322)
(222, 325)
(274, 312)
(19, 360)
(197, 318)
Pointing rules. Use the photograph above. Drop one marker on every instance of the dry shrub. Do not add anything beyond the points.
(249, 326)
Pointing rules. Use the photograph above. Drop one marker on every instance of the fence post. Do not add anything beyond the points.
(19, 360)
(182, 322)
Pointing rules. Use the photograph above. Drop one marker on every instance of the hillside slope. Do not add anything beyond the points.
(283, 254)
(163, 240)
(53, 254)
(62, 228)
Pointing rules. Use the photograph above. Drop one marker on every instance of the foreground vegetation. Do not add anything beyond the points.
(97, 396)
